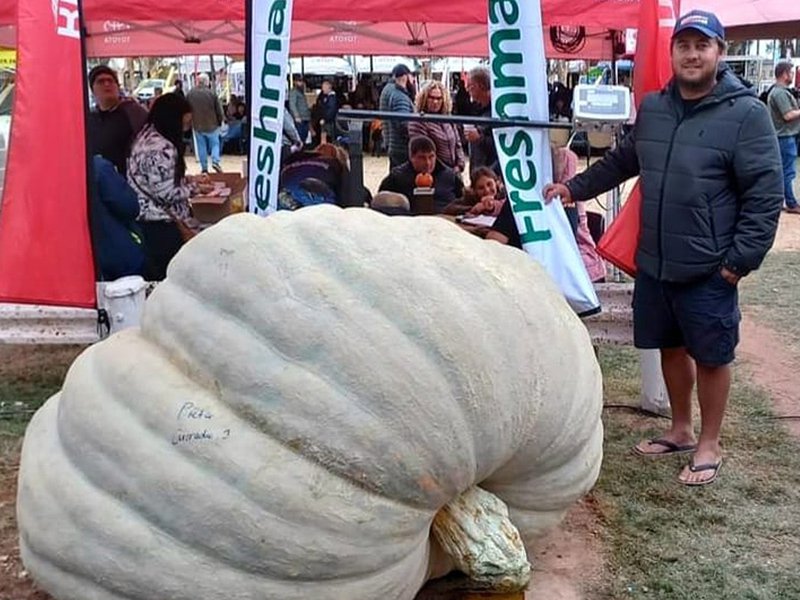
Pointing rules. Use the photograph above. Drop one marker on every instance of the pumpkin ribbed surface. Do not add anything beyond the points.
(305, 393)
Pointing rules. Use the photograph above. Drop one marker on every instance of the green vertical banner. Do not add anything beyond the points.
(269, 27)
(519, 91)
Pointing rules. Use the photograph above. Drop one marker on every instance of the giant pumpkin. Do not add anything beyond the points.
(305, 393)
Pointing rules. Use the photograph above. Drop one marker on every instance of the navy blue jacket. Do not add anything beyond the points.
(710, 179)
(447, 186)
(117, 239)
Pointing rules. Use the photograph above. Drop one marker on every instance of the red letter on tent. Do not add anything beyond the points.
(45, 245)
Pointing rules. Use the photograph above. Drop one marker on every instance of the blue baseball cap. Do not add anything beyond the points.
(705, 22)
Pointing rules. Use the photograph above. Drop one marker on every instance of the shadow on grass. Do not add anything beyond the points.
(735, 539)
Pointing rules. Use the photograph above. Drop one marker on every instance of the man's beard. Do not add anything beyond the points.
(697, 85)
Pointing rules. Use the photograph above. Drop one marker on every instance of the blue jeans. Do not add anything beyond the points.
(302, 130)
(788, 145)
(234, 132)
(207, 143)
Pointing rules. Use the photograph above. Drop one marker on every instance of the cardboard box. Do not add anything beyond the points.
(211, 209)
(422, 202)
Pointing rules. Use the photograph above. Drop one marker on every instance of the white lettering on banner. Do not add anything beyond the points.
(519, 91)
(65, 13)
(269, 31)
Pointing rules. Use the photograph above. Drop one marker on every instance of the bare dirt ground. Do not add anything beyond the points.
(763, 349)
(569, 563)
(15, 584)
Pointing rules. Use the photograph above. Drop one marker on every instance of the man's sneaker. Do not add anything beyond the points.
(217, 167)
(795, 210)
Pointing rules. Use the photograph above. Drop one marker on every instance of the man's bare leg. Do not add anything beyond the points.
(713, 387)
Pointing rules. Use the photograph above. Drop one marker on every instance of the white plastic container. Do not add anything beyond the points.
(654, 395)
(123, 299)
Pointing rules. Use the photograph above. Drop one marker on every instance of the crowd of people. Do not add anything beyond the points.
(143, 152)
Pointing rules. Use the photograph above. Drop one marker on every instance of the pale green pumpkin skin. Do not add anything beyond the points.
(306, 391)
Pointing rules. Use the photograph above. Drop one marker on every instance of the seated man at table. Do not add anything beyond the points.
(447, 185)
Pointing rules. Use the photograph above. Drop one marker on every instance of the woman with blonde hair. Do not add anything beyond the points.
(434, 99)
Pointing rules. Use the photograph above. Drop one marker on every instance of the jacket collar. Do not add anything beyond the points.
(728, 87)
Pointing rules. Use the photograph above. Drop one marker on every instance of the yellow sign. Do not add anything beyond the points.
(8, 59)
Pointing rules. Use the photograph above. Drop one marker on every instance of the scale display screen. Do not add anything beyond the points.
(607, 103)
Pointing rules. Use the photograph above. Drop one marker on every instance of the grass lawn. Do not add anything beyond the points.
(734, 539)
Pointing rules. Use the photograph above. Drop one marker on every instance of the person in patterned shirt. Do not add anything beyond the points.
(157, 173)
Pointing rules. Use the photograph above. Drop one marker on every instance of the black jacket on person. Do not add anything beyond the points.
(111, 132)
(447, 185)
(483, 152)
(710, 177)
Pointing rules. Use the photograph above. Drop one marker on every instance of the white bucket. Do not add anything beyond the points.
(123, 299)
(654, 392)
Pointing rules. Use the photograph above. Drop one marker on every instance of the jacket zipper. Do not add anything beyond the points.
(713, 226)
(661, 199)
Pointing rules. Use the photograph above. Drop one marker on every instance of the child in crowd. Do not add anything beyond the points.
(485, 196)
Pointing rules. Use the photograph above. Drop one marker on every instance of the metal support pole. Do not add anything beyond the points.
(356, 150)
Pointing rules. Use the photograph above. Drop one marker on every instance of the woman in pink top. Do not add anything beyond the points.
(565, 166)
(434, 99)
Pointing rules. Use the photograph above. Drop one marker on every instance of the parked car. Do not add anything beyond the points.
(147, 89)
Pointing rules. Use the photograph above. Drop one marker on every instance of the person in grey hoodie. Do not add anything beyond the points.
(712, 189)
(298, 107)
(395, 98)
(207, 118)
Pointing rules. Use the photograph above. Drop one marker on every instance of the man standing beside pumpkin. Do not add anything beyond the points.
(710, 175)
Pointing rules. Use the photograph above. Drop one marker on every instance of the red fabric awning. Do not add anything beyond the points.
(607, 14)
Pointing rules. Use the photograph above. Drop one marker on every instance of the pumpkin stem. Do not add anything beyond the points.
(474, 530)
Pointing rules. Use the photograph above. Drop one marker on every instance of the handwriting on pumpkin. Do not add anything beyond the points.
(203, 435)
(190, 410)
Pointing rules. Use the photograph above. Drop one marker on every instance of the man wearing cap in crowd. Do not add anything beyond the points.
(710, 174)
(785, 112)
(115, 122)
(395, 98)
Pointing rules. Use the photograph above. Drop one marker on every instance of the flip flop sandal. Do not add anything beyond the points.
(699, 469)
(671, 448)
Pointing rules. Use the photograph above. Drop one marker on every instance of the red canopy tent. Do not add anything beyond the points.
(418, 27)
(753, 19)
(445, 28)
(41, 189)
(608, 14)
